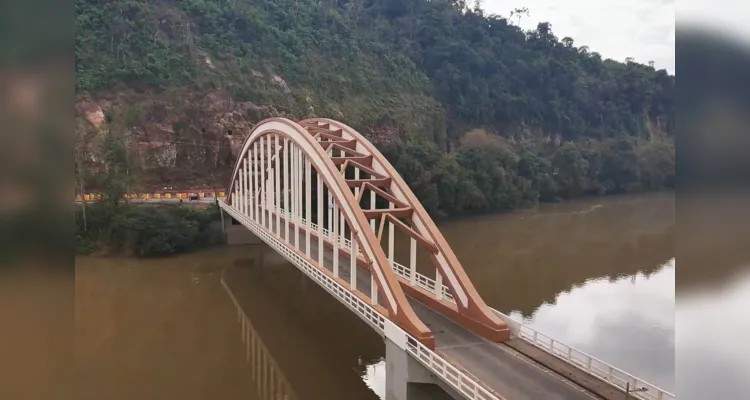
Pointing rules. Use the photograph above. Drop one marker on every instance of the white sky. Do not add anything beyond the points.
(729, 16)
(617, 29)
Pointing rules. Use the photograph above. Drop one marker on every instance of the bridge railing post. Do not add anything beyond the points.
(250, 188)
(334, 239)
(413, 262)
(286, 190)
(320, 220)
(262, 178)
(438, 285)
(308, 206)
(256, 184)
(277, 184)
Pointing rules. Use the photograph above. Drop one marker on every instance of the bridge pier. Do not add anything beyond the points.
(407, 379)
(235, 233)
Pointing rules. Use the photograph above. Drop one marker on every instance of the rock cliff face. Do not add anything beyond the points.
(175, 138)
(180, 138)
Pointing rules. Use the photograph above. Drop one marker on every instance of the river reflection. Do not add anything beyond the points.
(322, 348)
(374, 377)
(596, 274)
(712, 342)
(628, 322)
(167, 328)
(158, 328)
(521, 260)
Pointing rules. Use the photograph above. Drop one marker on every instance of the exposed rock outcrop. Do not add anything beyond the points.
(177, 135)
(91, 112)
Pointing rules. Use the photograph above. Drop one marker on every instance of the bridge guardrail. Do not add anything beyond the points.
(343, 241)
(460, 381)
(421, 280)
(598, 368)
(156, 195)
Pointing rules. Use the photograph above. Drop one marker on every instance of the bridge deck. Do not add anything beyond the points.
(502, 369)
(499, 367)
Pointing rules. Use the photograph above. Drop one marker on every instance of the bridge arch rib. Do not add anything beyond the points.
(273, 179)
(260, 207)
(459, 300)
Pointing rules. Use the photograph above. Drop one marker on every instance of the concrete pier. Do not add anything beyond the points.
(235, 233)
(407, 379)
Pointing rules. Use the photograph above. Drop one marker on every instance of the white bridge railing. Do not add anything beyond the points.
(579, 359)
(600, 369)
(463, 383)
(343, 241)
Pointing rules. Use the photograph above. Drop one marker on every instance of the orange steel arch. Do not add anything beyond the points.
(469, 309)
(398, 308)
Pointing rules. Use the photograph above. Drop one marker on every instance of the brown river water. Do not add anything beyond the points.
(596, 274)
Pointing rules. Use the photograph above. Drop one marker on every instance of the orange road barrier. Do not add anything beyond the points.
(201, 193)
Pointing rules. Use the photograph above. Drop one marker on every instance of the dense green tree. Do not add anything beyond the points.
(620, 171)
(115, 178)
(572, 170)
(144, 230)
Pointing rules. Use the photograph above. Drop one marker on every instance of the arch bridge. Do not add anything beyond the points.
(325, 198)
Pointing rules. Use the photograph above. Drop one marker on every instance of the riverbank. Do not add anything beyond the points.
(589, 201)
(146, 231)
(163, 229)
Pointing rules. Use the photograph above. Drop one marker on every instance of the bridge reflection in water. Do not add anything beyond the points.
(322, 351)
(305, 347)
(269, 379)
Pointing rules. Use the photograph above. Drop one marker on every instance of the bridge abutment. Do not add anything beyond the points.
(407, 379)
(235, 233)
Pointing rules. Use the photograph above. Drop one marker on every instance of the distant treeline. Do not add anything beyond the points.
(488, 173)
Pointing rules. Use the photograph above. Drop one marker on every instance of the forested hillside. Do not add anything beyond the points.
(475, 113)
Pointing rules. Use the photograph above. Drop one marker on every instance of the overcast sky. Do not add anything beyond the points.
(617, 29)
